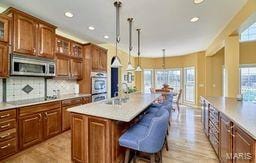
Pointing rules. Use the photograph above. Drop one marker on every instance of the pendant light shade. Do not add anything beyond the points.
(130, 67)
(117, 62)
(138, 68)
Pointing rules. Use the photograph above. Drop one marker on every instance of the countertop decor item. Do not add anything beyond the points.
(116, 63)
(138, 68)
(130, 67)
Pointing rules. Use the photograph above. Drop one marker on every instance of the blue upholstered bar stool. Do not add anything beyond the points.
(147, 139)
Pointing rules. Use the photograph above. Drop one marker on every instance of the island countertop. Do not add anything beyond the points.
(136, 104)
(241, 113)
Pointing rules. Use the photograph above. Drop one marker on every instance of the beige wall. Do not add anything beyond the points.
(123, 56)
(248, 52)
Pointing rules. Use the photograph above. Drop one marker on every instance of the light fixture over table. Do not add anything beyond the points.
(130, 67)
(116, 63)
(138, 68)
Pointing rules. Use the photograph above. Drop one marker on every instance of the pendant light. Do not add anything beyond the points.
(138, 68)
(164, 68)
(130, 67)
(116, 63)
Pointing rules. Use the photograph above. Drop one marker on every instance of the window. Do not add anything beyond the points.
(189, 84)
(161, 78)
(249, 34)
(248, 83)
(148, 82)
(174, 79)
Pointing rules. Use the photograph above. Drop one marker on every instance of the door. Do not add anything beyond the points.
(52, 122)
(62, 45)
(66, 118)
(225, 139)
(95, 58)
(25, 30)
(46, 41)
(4, 28)
(148, 80)
(243, 147)
(76, 69)
(3, 60)
(62, 66)
(189, 85)
(30, 130)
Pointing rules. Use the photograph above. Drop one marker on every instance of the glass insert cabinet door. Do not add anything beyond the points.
(4, 28)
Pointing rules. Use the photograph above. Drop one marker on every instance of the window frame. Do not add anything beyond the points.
(184, 85)
(152, 79)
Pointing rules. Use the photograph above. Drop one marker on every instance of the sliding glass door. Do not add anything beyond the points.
(189, 85)
(174, 79)
(148, 80)
(161, 78)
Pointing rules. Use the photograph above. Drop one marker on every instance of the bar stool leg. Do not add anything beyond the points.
(127, 156)
(152, 158)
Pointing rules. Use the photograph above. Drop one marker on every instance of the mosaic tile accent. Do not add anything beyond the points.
(14, 86)
(65, 86)
(27, 89)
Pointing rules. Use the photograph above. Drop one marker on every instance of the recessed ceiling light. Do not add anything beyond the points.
(198, 1)
(69, 14)
(194, 19)
(106, 37)
(91, 28)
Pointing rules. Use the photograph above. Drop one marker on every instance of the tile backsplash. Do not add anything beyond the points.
(1, 90)
(65, 86)
(22, 88)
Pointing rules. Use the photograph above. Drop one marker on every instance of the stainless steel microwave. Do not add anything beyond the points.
(25, 66)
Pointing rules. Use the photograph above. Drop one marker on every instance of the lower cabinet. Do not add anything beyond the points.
(243, 147)
(52, 122)
(234, 145)
(225, 154)
(38, 122)
(30, 130)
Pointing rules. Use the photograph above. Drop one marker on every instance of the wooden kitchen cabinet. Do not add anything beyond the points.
(4, 60)
(76, 68)
(62, 45)
(243, 146)
(99, 58)
(30, 130)
(31, 36)
(76, 50)
(52, 122)
(225, 154)
(62, 66)
(46, 42)
(4, 28)
(25, 34)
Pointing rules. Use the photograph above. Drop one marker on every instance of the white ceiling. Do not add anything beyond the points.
(165, 23)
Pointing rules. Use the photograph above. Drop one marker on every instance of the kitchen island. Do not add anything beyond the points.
(96, 128)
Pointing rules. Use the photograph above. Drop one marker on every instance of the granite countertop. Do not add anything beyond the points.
(23, 103)
(241, 113)
(137, 103)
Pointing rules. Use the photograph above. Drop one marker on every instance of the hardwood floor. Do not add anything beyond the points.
(187, 144)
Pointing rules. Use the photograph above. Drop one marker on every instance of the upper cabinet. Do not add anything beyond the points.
(99, 58)
(76, 50)
(62, 45)
(31, 36)
(4, 28)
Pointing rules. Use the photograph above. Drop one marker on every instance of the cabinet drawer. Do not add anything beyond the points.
(74, 101)
(215, 143)
(7, 125)
(213, 130)
(38, 108)
(8, 147)
(7, 115)
(7, 135)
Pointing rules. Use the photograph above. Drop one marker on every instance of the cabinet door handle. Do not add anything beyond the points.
(4, 126)
(4, 116)
(4, 136)
(6, 146)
